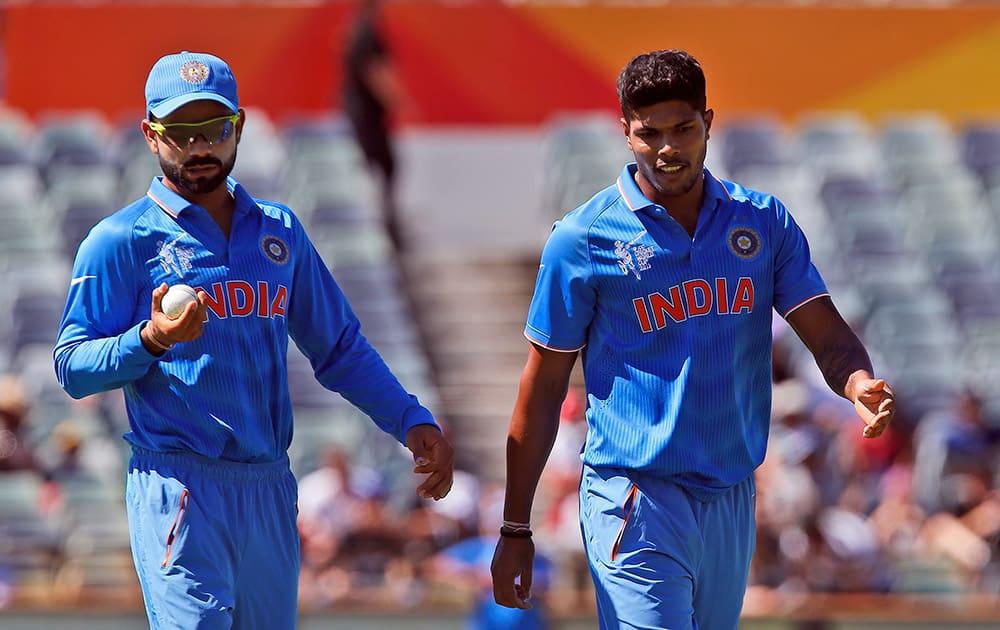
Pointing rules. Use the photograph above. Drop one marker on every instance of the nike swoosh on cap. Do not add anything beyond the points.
(79, 279)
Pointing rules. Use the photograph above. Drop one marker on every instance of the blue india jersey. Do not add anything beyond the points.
(675, 331)
(224, 395)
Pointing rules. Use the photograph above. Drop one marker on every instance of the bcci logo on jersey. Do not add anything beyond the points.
(275, 249)
(632, 256)
(175, 258)
(744, 242)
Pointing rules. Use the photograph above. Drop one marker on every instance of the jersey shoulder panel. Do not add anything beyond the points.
(742, 194)
(279, 212)
(280, 220)
(582, 220)
(765, 204)
(118, 229)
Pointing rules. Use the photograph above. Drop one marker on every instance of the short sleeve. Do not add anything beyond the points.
(563, 303)
(796, 279)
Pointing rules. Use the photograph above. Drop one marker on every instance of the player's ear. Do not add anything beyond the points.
(150, 137)
(626, 130)
(708, 116)
(239, 125)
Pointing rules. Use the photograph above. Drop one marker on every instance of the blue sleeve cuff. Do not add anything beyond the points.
(133, 348)
(413, 417)
(86, 367)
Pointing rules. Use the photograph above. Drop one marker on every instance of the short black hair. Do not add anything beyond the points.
(658, 76)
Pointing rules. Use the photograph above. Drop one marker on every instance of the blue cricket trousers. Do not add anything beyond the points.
(662, 559)
(215, 543)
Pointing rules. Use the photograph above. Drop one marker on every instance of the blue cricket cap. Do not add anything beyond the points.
(178, 79)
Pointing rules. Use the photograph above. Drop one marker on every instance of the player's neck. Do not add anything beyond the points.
(683, 208)
(219, 203)
(221, 208)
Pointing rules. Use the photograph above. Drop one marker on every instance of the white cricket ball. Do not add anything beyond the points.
(176, 298)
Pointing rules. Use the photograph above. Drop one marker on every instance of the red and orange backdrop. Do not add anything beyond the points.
(492, 63)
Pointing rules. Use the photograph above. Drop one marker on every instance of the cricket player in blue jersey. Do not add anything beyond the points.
(210, 496)
(665, 283)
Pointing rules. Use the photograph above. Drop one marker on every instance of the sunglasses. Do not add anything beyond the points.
(214, 131)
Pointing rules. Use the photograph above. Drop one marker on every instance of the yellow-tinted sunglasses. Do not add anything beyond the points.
(214, 131)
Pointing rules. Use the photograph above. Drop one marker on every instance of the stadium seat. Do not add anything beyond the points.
(352, 245)
(753, 141)
(263, 159)
(90, 184)
(837, 143)
(81, 138)
(917, 145)
(582, 153)
(305, 132)
(868, 240)
(16, 131)
(20, 184)
(980, 145)
(34, 316)
(844, 194)
(337, 169)
(321, 213)
(974, 296)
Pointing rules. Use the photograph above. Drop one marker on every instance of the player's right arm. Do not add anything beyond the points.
(533, 427)
(100, 345)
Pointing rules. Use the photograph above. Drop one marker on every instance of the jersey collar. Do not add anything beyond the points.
(173, 204)
(715, 192)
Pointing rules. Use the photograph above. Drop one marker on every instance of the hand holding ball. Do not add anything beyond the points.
(176, 299)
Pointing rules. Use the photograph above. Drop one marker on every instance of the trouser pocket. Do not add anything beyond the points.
(181, 511)
(627, 509)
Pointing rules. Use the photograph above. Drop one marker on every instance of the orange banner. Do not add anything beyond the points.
(491, 63)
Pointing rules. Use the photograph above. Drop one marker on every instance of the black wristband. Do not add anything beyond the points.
(507, 532)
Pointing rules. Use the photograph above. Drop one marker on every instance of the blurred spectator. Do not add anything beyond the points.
(373, 92)
(564, 464)
(15, 448)
(355, 548)
(437, 524)
(82, 447)
(954, 447)
(332, 507)
(850, 543)
(897, 519)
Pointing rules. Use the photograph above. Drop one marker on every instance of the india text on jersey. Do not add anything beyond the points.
(691, 299)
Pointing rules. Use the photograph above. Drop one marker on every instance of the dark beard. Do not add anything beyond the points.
(172, 171)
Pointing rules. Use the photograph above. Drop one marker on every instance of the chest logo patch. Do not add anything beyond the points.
(175, 258)
(275, 249)
(744, 241)
(633, 257)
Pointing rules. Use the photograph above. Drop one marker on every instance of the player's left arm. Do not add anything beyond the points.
(323, 325)
(844, 362)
